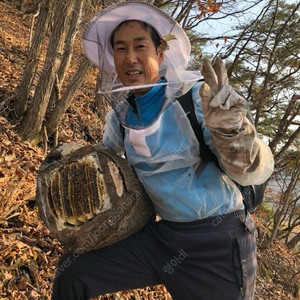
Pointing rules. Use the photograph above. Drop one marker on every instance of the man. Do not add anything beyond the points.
(204, 247)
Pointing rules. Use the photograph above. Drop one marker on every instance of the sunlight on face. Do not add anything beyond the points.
(136, 59)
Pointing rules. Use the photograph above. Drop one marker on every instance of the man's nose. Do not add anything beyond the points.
(131, 56)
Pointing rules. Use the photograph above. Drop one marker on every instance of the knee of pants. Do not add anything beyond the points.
(69, 282)
(68, 266)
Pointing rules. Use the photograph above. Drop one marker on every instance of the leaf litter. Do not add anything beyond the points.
(28, 252)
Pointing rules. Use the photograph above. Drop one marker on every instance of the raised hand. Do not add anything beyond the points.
(223, 108)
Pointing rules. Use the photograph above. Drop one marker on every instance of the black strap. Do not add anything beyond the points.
(186, 101)
(122, 129)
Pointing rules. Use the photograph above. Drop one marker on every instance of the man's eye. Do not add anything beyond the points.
(119, 49)
(141, 46)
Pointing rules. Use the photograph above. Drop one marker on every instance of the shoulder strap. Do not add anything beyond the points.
(122, 129)
(186, 101)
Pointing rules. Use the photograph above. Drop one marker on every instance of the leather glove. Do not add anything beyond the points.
(223, 108)
(242, 155)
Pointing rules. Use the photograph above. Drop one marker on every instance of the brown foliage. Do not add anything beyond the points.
(28, 252)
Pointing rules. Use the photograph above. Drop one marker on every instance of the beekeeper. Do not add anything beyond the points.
(204, 246)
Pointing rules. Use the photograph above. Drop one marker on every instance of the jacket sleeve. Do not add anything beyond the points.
(112, 136)
(244, 157)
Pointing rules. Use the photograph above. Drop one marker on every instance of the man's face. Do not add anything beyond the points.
(136, 59)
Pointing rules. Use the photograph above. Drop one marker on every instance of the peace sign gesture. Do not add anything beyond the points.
(223, 108)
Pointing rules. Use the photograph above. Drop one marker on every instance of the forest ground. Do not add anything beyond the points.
(28, 252)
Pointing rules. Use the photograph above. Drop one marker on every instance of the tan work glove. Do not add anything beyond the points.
(223, 108)
(244, 157)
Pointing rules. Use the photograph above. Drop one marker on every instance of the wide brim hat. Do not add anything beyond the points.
(97, 47)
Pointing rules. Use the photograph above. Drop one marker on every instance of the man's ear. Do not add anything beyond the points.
(160, 57)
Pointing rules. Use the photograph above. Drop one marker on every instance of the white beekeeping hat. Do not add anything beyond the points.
(97, 46)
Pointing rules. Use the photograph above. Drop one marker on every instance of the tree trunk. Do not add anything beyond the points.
(32, 124)
(42, 24)
(64, 102)
(282, 126)
(67, 56)
(281, 211)
(294, 241)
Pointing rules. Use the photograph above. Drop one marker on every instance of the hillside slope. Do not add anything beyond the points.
(28, 253)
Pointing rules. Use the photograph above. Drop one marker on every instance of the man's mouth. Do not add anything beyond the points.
(134, 73)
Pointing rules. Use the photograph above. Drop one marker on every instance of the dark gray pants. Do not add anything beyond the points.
(210, 259)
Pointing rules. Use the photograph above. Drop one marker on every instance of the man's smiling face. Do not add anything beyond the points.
(136, 58)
